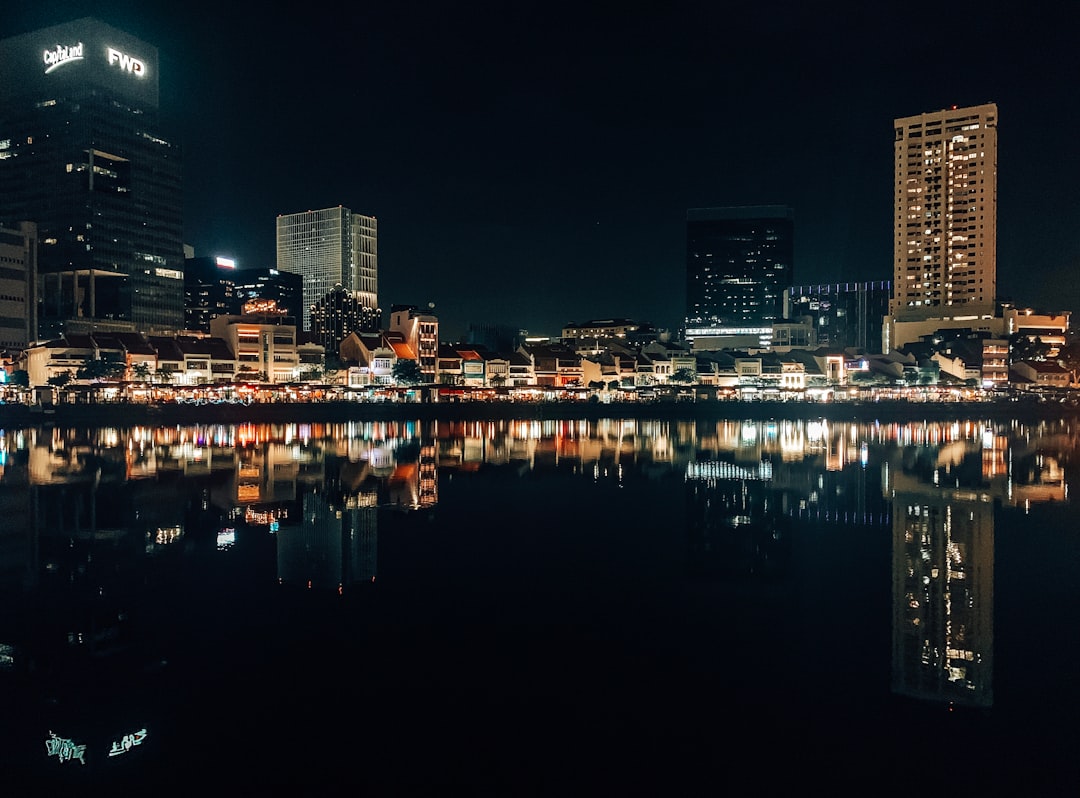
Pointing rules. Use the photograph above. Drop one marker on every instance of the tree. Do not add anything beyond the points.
(1069, 359)
(141, 371)
(164, 373)
(684, 376)
(61, 379)
(407, 372)
(95, 369)
(1023, 347)
(498, 381)
(20, 378)
(250, 373)
(332, 368)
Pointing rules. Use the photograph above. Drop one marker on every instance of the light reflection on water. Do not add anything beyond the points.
(590, 580)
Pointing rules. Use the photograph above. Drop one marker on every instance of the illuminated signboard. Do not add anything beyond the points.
(64, 749)
(126, 62)
(225, 263)
(62, 54)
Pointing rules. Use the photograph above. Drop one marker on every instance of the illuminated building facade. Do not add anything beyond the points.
(945, 209)
(262, 288)
(208, 291)
(263, 344)
(83, 156)
(421, 333)
(844, 315)
(335, 316)
(18, 270)
(943, 571)
(327, 248)
(738, 262)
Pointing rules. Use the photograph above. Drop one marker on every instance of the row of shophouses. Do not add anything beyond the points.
(268, 349)
(247, 349)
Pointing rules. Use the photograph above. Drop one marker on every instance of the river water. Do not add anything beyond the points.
(512, 608)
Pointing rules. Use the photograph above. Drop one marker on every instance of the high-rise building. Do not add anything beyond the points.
(843, 315)
(945, 208)
(208, 291)
(83, 156)
(330, 247)
(738, 263)
(339, 314)
(18, 268)
(260, 290)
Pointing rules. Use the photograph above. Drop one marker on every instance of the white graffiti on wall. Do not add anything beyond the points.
(127, 742)
(64, 749)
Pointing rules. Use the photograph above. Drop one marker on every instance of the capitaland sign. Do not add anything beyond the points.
(62, 54)
(67, 53)
(126, 62)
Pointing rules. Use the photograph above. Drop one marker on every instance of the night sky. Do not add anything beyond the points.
(532, 163)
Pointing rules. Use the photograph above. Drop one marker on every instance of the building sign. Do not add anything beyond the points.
(64, 749)
(63, 54)
(126, 62)
(127, 742)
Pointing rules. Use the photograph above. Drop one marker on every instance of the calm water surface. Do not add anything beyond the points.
(540, 608)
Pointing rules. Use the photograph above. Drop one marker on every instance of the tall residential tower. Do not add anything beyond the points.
(945, 209)
(83, 156)
(328, 248)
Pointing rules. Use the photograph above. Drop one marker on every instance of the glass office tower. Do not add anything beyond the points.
(82, 156)
(738, 263)
(329, 248)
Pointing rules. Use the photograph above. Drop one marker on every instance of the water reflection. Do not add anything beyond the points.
(112, 536)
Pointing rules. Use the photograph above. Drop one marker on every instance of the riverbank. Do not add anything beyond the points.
(129, 415)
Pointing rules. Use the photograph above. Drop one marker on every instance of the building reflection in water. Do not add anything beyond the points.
(89, 512)
(944, 487)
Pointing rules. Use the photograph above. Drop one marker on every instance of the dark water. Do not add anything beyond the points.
(540, 608)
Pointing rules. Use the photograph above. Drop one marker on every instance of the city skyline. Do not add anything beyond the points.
(535, 168)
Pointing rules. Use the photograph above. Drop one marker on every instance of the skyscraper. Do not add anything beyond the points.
(82, 155)
(208, 291)
(945, 226)
(328, 248)
(262, 289)
(738, 263)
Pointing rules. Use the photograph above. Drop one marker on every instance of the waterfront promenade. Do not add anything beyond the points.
(124, 414)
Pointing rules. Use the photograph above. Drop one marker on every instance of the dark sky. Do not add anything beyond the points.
(532, 163)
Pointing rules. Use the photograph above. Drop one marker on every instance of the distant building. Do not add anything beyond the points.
(195, 359)
(84, 156)
(496, 337)
(330, 247)
(264, 345)
(945, 222)
(1051, 329)
(599, 328)
(738, 262)
(338, 314)
(18, 286)
(1041, 373)
(257, 290)
(208, 291)
(843, 315)
(420, 332)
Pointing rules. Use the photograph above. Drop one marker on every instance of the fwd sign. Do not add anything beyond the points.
(126, 62)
